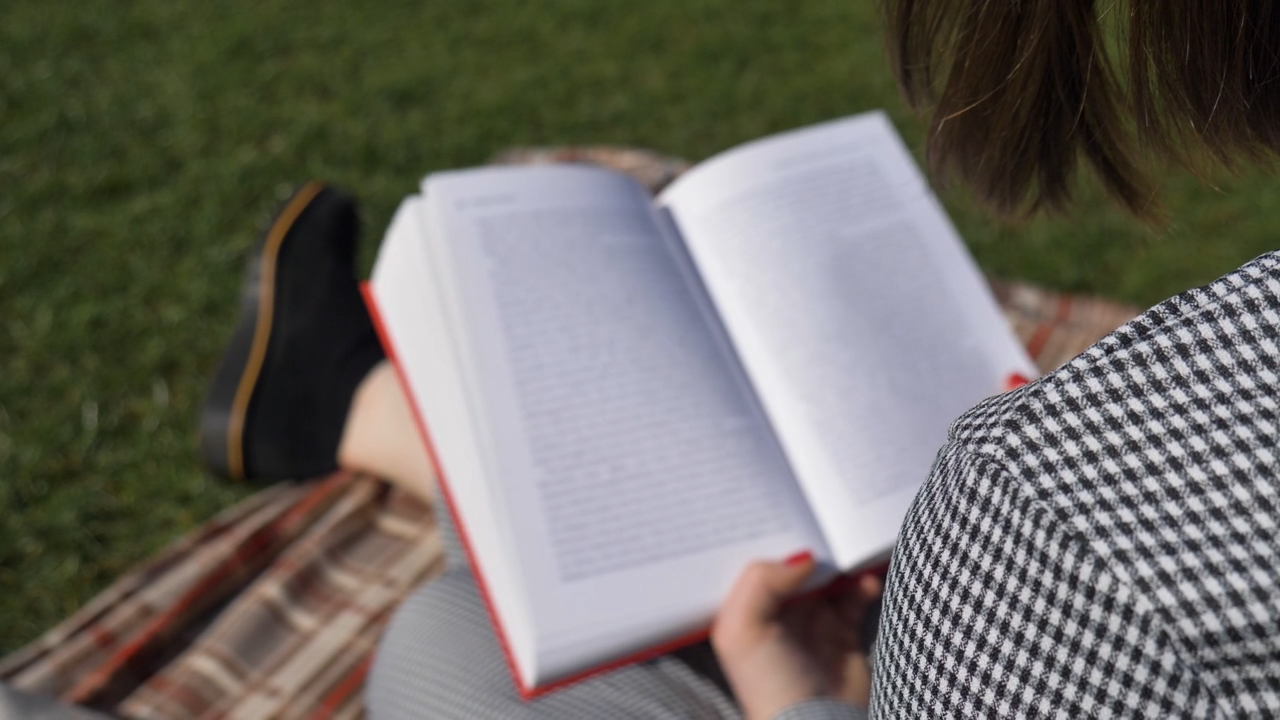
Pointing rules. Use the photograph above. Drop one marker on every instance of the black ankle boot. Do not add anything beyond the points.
(304, 341)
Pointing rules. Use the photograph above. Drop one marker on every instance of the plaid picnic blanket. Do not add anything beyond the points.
(272, 608)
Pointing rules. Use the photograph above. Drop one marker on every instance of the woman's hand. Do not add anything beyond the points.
(777, 653)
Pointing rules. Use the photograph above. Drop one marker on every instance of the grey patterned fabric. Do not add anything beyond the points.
(822, 709)
(439, 658)
(1104, 542)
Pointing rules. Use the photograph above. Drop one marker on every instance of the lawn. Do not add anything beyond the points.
(143, 143)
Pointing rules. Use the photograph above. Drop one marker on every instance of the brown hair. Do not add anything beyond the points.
(1021, 90)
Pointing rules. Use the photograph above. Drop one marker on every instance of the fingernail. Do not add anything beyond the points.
(1015, 381)
(799, 558)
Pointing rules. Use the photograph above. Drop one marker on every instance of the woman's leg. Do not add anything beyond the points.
(381, 437)
(439, 658)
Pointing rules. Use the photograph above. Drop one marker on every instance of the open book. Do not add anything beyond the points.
(629, 399)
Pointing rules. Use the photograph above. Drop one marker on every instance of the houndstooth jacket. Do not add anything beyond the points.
(1105, 542)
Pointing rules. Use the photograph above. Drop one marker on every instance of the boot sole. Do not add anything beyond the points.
(222, 420)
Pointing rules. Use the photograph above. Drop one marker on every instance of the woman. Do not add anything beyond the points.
(1103, 541)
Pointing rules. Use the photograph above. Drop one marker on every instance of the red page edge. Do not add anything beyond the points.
(526, 693)
(366, 291)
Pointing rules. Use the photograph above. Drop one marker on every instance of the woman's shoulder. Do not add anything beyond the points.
(1205, 338)
(1156, 450)
(1144, 442)
(1150, 458)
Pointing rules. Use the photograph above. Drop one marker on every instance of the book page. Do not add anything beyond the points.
(412, 315)
(859, 315)
(631, 460)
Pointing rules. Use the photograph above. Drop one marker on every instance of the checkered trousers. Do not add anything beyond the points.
(1104, 542)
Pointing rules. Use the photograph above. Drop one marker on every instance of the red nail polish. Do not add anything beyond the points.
(799, 558)
(1015, 381)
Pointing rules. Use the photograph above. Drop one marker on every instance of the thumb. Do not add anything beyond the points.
(758, 594)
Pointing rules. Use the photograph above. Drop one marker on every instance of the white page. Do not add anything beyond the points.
(863, 322)
(632, 462)
(407, 293)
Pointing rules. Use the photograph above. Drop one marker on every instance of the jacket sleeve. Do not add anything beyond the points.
(995, 606)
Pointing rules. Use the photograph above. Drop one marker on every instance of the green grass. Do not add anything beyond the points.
(142, 144)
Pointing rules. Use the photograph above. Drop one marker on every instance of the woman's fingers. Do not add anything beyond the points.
(856, 685)
(766, 668)
(758, 594)
(777, 652)
(861, 594)
(870, 588)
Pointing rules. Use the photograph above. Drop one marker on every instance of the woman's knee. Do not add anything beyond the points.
(438, 656)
